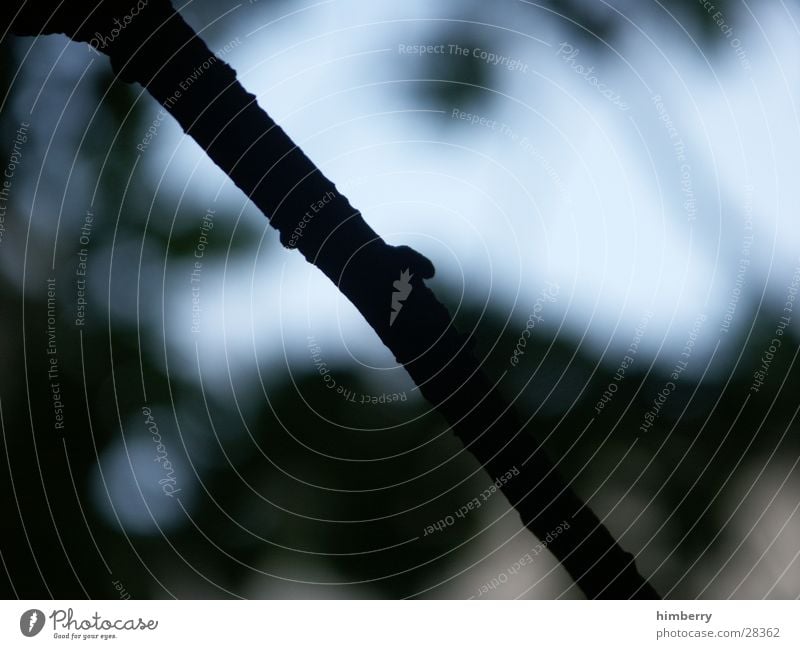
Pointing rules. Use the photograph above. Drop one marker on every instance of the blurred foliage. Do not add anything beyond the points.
(266, 508)
(596, 22)
(592, 25)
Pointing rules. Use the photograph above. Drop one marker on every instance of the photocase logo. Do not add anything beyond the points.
(402, 289)
(31, 622)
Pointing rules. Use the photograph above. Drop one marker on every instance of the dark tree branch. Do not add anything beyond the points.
(159, 50)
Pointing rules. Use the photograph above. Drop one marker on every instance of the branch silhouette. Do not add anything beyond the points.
(149, 42)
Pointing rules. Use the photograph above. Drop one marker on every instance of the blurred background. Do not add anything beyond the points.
(190, 410)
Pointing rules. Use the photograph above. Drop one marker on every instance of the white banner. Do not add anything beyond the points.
(398, 624)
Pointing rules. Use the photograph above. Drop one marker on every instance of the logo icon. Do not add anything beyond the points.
(31, 622)
(402, 289)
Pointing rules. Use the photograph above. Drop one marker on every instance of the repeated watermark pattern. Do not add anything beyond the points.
(313, 210)
(548, 295)
(585, 153)
(471, 505)
(349, 395)
(525, 560)
(625, 364)
(689, 201)
(727, 30)
(569, 53)
(53, 368)
(744, 263)
(768, 355)
(102, 41)
(670, 386)
(196, 274)
(14, 160)
(454, 49)
(82, 267)
(168, 483)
